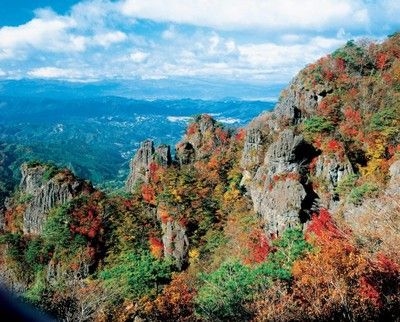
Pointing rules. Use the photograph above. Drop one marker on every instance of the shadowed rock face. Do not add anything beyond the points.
(45, 193)
(276, 161)
(140, 164)
(175, 240)
(298, 102)
(199, 141)
(278, 188)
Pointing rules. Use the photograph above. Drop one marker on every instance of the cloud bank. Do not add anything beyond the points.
(255, 40)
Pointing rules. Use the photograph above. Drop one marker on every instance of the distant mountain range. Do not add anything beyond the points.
(149, 89)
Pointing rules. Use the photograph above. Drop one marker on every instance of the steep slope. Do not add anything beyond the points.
(331, 137)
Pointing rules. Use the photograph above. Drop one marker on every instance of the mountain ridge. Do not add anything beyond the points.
(275, 221)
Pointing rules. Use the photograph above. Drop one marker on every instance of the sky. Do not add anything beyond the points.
(252, 41)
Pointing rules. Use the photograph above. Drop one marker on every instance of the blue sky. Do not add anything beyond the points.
(254, 41)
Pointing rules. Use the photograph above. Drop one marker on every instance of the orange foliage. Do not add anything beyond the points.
(192, 129)
(323, 227)
(148, 194)
(176, 302)
(352, 123)
(240, 135)
(222, 135)
(156, 247)
(154, 172)
(381, 60)
(334, 146)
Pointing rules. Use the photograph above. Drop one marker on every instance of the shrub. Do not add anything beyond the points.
(137, 274)
(317, 124)
(357, 194)
(225, 291)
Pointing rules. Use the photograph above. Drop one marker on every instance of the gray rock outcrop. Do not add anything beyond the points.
(297, 101)
(200, 140)
(42, 193)
(175, 241)
(140, 163)
(278, 189)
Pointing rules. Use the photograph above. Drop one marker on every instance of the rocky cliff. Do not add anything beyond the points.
(202, 138)
(43, 187)
(140, 163)
(276, 160)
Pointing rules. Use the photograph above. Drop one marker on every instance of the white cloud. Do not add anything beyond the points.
(55, 72)
(285, 59)
(138, 56)
(153, 39)
(237, 14)
(109, 38)
(47, 31)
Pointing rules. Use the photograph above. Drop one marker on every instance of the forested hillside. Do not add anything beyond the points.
(294, 218)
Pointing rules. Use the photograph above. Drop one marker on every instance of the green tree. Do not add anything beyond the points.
(137, 274)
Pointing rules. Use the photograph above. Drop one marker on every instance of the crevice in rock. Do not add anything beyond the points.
(309, 203)
(304, 153)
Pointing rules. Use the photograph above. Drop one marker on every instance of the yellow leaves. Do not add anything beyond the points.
(376, 155)
(194, 255)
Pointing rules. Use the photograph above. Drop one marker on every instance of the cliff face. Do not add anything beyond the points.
(324, 133)
(200, 140)
(140, 164)
(279, 187)
(44, 190)
(276, 161)
(203, 138)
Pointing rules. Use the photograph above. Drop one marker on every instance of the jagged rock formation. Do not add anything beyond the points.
(200, 140)
(44, 190)
(276, 161)
(278, 189)
(174, 238)
(203, 136)
(139, 165)
(330, 169)
(297, 101)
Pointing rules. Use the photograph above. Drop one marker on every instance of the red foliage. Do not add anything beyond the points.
(386, 264)
(156, 247)
(369, 292)
(240, 135)
(86, 221)
(222, 135)
(164, 215)
(192, 129)
(381, 60)
(352, 123)
(333, 146)
(323, 226)
(148, 194)
(153, 170)
(340, 65)
(286, 176)
(258, 247)
(329, 75)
